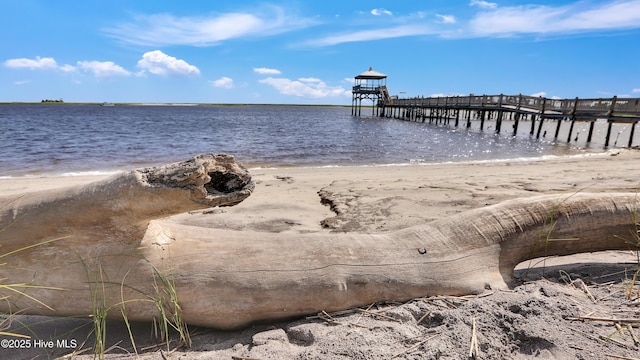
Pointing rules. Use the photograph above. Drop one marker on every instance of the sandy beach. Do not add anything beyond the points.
(556, 312)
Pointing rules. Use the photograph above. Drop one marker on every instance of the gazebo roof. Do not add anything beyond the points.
(371, 74)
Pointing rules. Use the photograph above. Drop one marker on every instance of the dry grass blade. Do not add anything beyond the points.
(12, 288)
(593, 318)
(331, 320)
(371, 313)
(414, 346)
(603, 338)
(630, 290)
(328, 318)
(362, 314)
(423, 317)
(3, 333)
(31, 246)
(636, 341)
(585, 288)
(474, 349)
(621, 357)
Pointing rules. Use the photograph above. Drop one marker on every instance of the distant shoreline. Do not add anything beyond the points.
(160, 104)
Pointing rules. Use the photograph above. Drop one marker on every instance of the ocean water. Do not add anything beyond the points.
(75, 139)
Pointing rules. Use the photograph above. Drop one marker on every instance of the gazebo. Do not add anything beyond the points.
(370, 85)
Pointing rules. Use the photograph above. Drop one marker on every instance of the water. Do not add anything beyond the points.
(59, 139)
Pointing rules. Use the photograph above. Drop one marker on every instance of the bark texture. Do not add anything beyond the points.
(121, 252)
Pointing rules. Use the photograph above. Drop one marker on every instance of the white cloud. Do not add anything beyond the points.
(67, 68)
(539, 94)
(22, 82)
(446, 19)
(381, 11)
(310, 80)
(490, 20)
(224, 82)
(38, 63)
(32, 64)
(159, 63)
(483, 4)
(166, 29)
(573, 18)
(266, 71)
(309, 88)
(376, 34)
(635, 91)
(103, 69)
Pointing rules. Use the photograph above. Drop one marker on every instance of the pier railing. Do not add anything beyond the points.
(484, 107)
(619, 109)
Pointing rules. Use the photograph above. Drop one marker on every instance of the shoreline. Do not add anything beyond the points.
(252, 166)
(388, 197)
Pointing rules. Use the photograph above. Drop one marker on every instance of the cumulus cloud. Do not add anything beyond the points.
(32, 64)
(381, 11)
(539, 94)
(483, 4)
(102, 69)
(167, 29)
(305, 87)
(266, 71)
(99, 69)
(224, 82)
(38, 63)
(446, 19)
(159, 63)
(635, 91)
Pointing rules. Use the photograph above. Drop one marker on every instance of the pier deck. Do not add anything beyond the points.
(518, 108)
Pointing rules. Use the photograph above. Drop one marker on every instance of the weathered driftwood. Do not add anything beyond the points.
(228, 279)
(94, 234)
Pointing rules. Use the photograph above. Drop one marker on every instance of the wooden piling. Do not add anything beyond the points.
(500, 111)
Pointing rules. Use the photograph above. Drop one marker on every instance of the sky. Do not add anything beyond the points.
(308, 52)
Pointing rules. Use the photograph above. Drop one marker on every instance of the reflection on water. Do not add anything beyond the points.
(64, 138)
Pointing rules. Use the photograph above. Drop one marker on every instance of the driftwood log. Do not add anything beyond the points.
(111, 248)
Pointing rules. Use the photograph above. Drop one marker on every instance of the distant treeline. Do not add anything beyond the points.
(52, 101)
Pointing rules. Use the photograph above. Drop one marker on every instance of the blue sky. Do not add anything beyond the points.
(307, 52)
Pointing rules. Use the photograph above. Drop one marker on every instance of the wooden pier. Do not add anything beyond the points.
(537, 111)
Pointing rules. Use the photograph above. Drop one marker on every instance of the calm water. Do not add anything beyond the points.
(45, 139)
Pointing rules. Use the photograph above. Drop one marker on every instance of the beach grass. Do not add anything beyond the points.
(19, 288)
(635, 241)
(164, 298)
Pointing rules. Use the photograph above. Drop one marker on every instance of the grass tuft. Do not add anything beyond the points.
(20, 288)
(166, 301)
